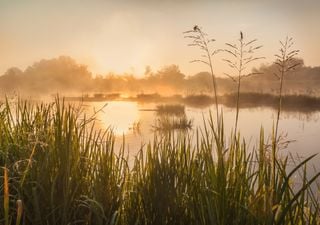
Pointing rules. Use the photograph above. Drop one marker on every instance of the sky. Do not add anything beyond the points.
(128, 35)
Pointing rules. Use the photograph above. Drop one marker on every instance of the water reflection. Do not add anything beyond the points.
(137, 126)
(122, 117)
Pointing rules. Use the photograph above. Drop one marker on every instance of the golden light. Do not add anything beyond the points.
(120, 116)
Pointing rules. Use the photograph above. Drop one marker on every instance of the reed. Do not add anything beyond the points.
(285, 62)
(65, 171)
(242, 55)
(6, 196)
(61, 168)
(171, 109)
(201, 40)
(170, 123)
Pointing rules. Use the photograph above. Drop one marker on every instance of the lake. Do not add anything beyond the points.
(124, 117)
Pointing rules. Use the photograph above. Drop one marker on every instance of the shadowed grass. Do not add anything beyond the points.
(59, 166)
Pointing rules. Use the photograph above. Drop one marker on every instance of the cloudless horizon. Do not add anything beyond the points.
(127, 36)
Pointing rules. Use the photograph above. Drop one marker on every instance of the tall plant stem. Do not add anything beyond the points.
(242, 54)
(280, 96)
(275, 138)
(286, 63)
(200, 40)
(214, 83)
(238, 88)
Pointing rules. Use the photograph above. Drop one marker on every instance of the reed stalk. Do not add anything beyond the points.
(241, 54)
(200, 39)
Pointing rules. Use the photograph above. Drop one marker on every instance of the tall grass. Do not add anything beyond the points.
(64, 171)
(201, 40)
(242, 55)
(59, 166)
(166, 123)
(286, 63)
(170, 109)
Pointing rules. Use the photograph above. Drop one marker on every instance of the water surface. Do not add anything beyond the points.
(129, 121)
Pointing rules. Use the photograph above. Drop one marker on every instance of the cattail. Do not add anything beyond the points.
(6, 196)
(19, 211)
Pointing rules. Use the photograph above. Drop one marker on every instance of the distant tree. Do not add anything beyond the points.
(267, 71)
(200, 81)
(58, 74)
(13, 71)
(148, 71)
(171, 74)
(11, 80)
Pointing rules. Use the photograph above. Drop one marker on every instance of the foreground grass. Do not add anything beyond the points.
(60, 170)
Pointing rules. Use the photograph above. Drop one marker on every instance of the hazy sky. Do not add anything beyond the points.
(125, 36)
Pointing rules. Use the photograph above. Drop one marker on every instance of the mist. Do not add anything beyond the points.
(66, 76)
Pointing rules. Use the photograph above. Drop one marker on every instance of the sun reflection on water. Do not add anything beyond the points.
(120, 116)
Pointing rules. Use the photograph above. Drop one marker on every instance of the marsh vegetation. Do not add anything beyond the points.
(58, 168)
(63, 171)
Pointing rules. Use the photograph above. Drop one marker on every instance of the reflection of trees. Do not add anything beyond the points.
(302, 116)
(291, 103)
(312, 116)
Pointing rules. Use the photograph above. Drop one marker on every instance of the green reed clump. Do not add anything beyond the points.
(64, 171)
(213, 182)
(159, 184)
(171, 109)
(60, 167)
(170, 123)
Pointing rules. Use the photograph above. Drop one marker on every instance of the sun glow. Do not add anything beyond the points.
(119, 116)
